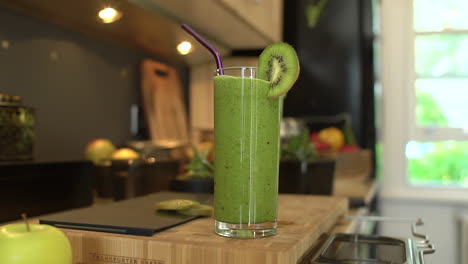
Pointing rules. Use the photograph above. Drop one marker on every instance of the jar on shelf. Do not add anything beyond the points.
(17, 129)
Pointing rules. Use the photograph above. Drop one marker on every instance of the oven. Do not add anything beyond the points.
(344, 248)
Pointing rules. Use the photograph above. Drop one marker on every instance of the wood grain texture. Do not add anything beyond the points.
(212, 19)
(302, 218)
(163, 103)
(149, 25)
(264, 16)
(154, 25)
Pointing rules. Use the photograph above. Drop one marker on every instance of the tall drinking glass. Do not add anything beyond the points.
(246, 127)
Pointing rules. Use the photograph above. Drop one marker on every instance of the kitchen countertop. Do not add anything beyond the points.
(356, 187)
(302, 219)
(191, 240)
(360, 188)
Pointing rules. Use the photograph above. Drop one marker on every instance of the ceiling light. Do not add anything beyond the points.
(184, 47)
(109, 15)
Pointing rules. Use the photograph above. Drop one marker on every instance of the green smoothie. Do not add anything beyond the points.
(246, 150)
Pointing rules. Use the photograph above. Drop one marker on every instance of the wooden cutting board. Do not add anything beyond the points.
(163, 103)
(302, 219)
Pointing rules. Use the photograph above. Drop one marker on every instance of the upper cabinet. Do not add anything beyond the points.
(265, 16)
(243, 24)
(154, 25)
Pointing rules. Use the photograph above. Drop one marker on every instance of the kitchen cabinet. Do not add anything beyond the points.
(235, 24)
(266, 16)
(202, 96)
(139, 26)
(337, 68)
(154, 25)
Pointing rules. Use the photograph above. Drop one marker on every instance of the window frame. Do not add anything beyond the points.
(429, 133)
(398, 76)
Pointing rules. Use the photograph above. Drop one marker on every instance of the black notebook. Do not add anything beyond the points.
(135, 216)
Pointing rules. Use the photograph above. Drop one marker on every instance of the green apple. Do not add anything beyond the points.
(99, 150)
(42, 244)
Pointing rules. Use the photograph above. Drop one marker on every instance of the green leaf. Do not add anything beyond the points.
(298, 147)
(313, 12)
(199, 166)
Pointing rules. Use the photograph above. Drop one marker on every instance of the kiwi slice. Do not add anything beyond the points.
(176, 204)
(279, 65)
(197, 210)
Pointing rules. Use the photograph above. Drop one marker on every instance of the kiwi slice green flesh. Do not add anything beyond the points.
(279, 65)
(176, 204)
(197, 210)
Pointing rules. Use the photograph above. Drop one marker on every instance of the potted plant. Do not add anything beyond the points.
(302, 170)
(198, 175)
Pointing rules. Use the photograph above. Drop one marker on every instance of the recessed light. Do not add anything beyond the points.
(184, 47)
(109, 15)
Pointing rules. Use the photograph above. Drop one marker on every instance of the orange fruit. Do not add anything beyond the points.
(333, 136)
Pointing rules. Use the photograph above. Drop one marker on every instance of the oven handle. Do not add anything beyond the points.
(428, 249)
(424, 246)
(414, 223)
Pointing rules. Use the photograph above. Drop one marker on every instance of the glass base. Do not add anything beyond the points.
(245, 230)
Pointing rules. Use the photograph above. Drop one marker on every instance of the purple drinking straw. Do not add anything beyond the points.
(207, 45)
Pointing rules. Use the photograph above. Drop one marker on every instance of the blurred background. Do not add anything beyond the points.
(390, 75)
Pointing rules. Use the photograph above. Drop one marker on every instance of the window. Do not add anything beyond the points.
(437, 153)
(424, 63)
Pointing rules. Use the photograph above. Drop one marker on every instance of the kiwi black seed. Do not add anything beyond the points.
(279, 65)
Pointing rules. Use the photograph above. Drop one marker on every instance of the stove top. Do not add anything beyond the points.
(341, 248)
